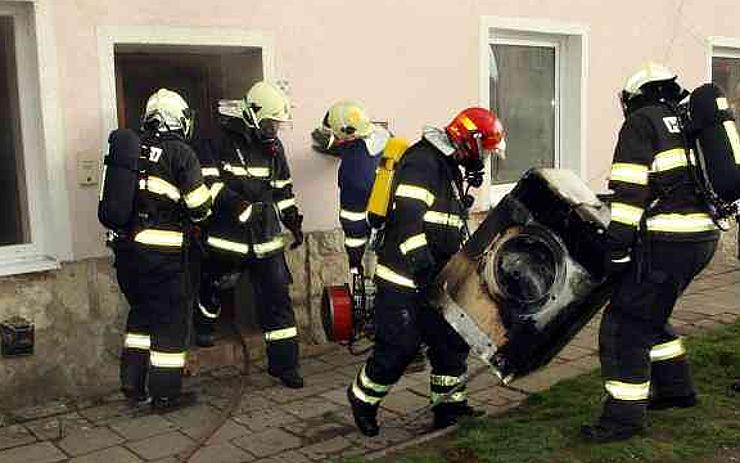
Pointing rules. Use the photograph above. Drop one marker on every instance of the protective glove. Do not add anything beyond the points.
(294, 223)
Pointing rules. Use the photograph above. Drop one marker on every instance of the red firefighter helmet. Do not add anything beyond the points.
(475, 133)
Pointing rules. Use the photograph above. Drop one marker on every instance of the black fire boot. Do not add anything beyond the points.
(168, 404)
(366, 415)
(603, 432)
(290, 378)
(449, 414)
(205, 339)
(664, 403)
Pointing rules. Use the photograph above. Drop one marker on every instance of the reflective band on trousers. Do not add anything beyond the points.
(671, 159)
(415, 242)
(415, 192)
(459, 396)
(281, 183)
(159, 186)
(626, 214)
(209, 171)
(159, 238)
(681, 223)
(286, 203)
(628, 391)
(197, 197)
(354, 242)
(443, 380)
(207, 314)
(137, 341)
(352, 216)
(226, 245)
(667, 350)
(284, 333)
(264, 248)
(629, 173)
(357, 392)
(166, 359)
(367, 383)
(441, 218)
(383, 272)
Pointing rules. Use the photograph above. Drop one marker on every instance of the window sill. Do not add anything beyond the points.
(30, 264)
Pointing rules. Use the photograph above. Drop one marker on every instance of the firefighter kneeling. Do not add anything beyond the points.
(425, 227)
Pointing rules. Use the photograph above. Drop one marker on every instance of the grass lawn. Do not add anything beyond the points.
(545, 428)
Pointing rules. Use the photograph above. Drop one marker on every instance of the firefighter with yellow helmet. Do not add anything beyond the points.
(250, 182)
(660, 237)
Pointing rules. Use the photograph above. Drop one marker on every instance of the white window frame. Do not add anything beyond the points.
(42, 142)
(570, 42)
(110, 36)
(722, 47)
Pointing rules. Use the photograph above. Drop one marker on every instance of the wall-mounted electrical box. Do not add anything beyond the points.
(16, 335)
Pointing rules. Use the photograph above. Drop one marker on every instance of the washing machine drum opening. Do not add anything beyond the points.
(527, 268)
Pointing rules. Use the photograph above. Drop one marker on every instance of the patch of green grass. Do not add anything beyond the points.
(546, 427)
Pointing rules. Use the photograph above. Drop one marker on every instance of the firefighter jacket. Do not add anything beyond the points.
(425, 225)
(252, 192)
(171, 193)
(355, 180)
(653, 190)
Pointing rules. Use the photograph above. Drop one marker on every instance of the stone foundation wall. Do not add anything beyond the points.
(79, 316)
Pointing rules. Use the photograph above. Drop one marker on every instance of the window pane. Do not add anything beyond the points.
(726, 74)
(523, 95)
(13, 220)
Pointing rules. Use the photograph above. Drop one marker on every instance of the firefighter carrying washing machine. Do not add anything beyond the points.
(152, 193)
(425, 227)
(660, 237)
(249, 179)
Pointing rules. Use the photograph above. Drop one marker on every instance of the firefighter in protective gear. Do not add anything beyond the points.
(660, 237)
(424, 229)
(358, 143)
(150, 257)
(249, 179)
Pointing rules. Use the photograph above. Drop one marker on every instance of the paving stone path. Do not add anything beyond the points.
(272, 424)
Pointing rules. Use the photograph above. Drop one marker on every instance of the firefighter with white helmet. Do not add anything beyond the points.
(248, 174)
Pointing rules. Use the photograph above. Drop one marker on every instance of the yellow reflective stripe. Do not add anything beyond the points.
(367, 383)
(197, 197)
(671, 159)
(441, 218)
(159, 237)
(667, 350)
(722, 103)
(444, 380)
(286, 203)
(352, 216)
(159, 186)
(281, 183)
(359, 394)
(284, 333)
(137, 341)
(415, 192)
(629, 173)
(626, 214)
(468, 123)
(681, 223)
(166, 359)
(258, 171)
(209, 171)
(354, 242)
(246, 213)
(383, 272)
(415, 242)
(236, 170)
(628, 391)
(734, 138)
(234, 246)
(264, 248)
(216, 189)
(459, 396)
(208, 314)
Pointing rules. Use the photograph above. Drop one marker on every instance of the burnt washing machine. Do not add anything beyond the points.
(531, 276)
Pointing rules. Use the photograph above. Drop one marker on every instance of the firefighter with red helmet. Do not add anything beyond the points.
(425, 228)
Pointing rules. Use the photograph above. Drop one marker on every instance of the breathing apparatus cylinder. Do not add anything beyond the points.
(380, 195)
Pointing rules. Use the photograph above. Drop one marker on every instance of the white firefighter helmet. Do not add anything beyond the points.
(170, 111)
(265, 100)
(348, 120)
(647, 74)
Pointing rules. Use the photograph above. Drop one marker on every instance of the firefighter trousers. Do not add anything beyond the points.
(403, 322)
(157, 289)
(641, 356)
(270, 280)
